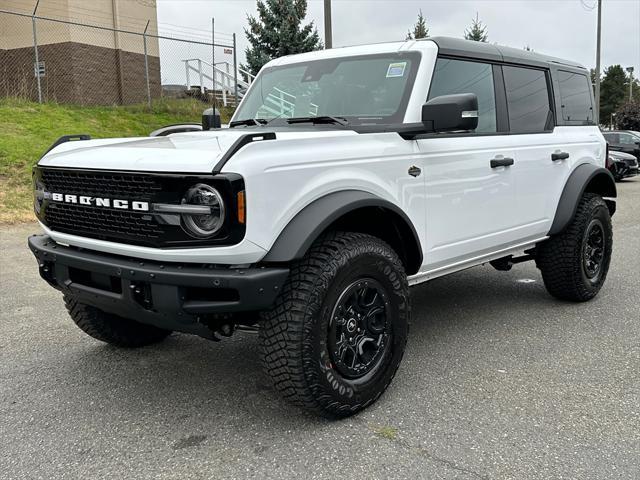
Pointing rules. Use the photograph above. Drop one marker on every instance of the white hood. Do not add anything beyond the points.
(192, 152)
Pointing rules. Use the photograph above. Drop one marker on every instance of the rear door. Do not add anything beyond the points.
(542, 159)
(553, 131)
(470, 205)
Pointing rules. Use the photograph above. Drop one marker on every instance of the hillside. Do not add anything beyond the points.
(27, 129)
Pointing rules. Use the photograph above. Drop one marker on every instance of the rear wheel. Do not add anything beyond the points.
(574, 264)
(338, 331)
(112, 329)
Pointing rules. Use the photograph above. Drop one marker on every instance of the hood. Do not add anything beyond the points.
(191, 152)
(621, 155)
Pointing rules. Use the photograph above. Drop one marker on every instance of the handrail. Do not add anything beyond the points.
(223, 80)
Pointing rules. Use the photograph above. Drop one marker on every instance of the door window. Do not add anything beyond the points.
(527, 99)
(627, 139)
(575, 96)
(458, 76)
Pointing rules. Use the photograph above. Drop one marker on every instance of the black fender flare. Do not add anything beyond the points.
(308, 224)
(585, 178)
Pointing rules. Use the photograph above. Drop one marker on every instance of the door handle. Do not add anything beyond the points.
(501, 162)
(559, 156)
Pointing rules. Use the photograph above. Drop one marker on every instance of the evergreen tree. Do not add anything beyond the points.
(614, 90)
(278, 31)
(420, 29)
(477, 32)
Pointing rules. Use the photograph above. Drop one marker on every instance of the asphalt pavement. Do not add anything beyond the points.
(500, 381)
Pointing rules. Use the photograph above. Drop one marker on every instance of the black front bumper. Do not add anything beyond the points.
(168, 295)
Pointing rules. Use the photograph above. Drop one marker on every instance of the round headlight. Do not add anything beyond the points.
(203, 225)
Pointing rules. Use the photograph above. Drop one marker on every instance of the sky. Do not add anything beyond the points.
(561, 28)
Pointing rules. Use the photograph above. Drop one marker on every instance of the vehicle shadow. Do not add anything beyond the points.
(188, 377)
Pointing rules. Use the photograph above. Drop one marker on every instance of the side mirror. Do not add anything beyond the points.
(211, 119)
(451, 112)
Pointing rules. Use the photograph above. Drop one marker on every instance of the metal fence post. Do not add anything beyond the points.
(235, 71)
(213, 61)
(201, 76)
(146, 63)
(36, 66)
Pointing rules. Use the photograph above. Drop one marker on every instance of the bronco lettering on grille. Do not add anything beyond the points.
(100, 202)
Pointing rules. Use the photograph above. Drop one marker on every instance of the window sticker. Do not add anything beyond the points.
(396, 69)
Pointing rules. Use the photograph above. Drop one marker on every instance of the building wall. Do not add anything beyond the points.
(82, 64)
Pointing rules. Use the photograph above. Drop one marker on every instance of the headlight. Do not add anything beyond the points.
(203, 225)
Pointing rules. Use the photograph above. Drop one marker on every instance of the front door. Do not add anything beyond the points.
(471, 205)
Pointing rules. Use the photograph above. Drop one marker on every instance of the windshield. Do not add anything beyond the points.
(369, 89)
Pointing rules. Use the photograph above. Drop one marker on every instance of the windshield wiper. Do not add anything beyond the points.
(250, 122)
(319, 120)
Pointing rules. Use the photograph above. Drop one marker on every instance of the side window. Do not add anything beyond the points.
(527, 99)
(627, 139)
(612, 138)
(575, 96)
(459, 76)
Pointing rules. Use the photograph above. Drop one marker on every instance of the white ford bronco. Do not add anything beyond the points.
(345, 176)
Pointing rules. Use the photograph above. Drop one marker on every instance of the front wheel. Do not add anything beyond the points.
(112, 329)
(336, 336)
(574, 264)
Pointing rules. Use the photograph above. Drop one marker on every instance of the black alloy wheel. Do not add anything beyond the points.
(593, 250)
(359, 332)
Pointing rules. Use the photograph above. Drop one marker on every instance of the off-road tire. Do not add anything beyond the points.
(112, 329)
(560, 259)
(294, 333)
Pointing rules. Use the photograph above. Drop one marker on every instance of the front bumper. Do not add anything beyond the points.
(175, 296)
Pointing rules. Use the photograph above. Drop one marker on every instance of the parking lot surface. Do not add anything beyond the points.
(499, 381)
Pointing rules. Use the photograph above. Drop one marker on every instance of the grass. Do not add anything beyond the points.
(27, 129)
(386, 432)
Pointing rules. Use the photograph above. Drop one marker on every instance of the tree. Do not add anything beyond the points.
(477, 32)
(628, 116)
(614, 90)
(420, 29)
(278, 31)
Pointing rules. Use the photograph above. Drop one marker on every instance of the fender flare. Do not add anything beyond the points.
(596, 179)
(308, 224)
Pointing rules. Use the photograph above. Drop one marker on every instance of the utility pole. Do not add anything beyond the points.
(630, 70)
(328, 43)
(598, 62)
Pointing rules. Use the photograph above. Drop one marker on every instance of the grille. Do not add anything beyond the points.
(102, 223)
(120, 185)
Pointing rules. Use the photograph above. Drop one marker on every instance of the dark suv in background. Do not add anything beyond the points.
(626, 141)
(622, 165)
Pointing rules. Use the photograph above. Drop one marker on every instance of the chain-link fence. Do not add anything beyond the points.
(49, 59)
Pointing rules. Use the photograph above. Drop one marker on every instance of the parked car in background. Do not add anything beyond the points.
(626, 141)
(622, 165)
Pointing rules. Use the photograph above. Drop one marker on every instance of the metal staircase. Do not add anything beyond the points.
(278, 103)
(221, 77)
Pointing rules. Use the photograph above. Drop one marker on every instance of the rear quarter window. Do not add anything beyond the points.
(575, 97)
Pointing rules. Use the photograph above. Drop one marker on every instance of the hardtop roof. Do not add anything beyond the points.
(487, 51)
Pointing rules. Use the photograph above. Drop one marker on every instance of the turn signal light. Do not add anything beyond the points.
(241, 207)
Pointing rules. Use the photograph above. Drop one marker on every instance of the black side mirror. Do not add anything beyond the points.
(448, 113)
(211, 119)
